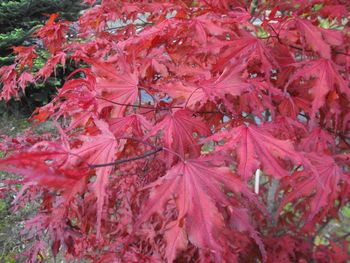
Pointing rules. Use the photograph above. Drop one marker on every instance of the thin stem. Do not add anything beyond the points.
(190, 97)
(175, 153)
(138, 140)
(297, 47)
(342, 53)
(127, 105)
(140, 25)
(343, 237)
(125, 160)
(277, 34)
(151, 145)
(115, 27)
(140, 106)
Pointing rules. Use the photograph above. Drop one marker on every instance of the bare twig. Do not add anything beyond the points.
(140, 106)
(125, 160)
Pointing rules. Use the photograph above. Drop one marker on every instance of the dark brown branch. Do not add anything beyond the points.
(344, 139)
(127, 105)
(342, 53)
(139, 25)
(309, 50)
(207, 112)
(343, 237)
(140, 106)
(138, 140)
(152, 108)
(125, 160)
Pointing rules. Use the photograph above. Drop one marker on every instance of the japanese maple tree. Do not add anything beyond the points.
(194, 131)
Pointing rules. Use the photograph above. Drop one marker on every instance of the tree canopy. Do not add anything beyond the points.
(191, 131)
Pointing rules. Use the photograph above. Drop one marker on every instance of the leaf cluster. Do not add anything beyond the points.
(192, 131)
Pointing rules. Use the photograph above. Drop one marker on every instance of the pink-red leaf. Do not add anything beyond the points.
(179, 129)
(256, 148)
(198, 189)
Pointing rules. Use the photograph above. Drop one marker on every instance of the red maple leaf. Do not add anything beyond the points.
(322, 189)
(197, 187)
(100, 149)
(258, 149)
(179, 131)
(40, 167)
(327, 79)
(25, 56)
(116, 87)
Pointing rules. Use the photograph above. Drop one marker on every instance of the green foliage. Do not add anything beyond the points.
(19, 20)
